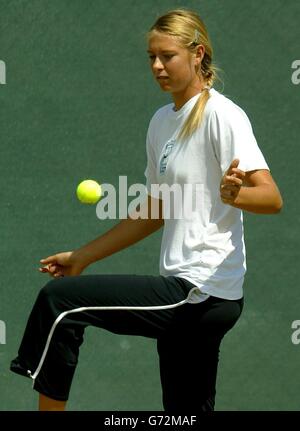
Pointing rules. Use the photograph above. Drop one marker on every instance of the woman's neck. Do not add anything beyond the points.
(180, 98)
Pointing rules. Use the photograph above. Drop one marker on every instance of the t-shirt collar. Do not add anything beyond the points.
(187, 107)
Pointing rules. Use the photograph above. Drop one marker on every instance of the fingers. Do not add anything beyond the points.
(50, 259)
(234, 171)
(45, 269)
(234, 175)
(50, 266)
(229, 194)
(234, 163)
(229, 188)
(231, 183)
(231, 179)
(238, 173)
(52, 270)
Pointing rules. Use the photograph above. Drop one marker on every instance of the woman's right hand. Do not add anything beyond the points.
(61, 264)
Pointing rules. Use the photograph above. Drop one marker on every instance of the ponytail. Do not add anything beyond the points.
(209, 72)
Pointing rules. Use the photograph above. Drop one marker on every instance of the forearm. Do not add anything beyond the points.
(122, 235)
(261, 199)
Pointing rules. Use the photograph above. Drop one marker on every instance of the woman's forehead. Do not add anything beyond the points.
(162, 41)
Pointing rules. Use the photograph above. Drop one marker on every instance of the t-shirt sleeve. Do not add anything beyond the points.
(232, 138)
(150, 171)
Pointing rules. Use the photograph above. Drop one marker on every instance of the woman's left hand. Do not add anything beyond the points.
(231, 183)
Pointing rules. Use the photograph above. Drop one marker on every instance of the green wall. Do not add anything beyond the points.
(76, 104)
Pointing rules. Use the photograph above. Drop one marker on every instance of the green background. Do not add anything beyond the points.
(77, 102)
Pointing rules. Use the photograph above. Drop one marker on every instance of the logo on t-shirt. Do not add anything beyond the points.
(164, 160)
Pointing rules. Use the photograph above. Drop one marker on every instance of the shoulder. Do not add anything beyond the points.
(223, 109)
(160, 114)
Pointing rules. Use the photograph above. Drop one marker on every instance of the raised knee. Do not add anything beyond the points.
(50, 291)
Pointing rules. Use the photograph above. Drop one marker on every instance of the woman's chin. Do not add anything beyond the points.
(164, 86)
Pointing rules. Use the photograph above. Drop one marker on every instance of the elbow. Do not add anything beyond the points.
(278, 204)
(276, 201)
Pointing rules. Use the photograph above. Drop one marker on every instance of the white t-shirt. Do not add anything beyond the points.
(208, 247)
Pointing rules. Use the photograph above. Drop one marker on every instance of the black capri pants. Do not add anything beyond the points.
(188, 335)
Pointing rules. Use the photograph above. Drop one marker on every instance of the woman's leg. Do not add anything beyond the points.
(65, 306)
(189, 353)
(49, 404)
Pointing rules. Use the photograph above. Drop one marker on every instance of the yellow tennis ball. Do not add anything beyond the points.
(89, 192)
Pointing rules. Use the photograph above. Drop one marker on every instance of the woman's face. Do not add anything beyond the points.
(173, 66)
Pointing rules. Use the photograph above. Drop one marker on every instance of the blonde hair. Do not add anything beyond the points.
(190, 31)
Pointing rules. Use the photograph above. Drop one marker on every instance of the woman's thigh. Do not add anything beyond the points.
(122, 303)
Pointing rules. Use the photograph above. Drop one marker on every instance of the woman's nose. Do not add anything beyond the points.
(157, 64)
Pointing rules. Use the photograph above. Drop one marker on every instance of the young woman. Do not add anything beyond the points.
(202, 138)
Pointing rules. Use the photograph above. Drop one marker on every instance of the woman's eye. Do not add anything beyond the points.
(168, 56)
(165, 56)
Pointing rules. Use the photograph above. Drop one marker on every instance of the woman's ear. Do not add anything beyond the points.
(199, 55)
